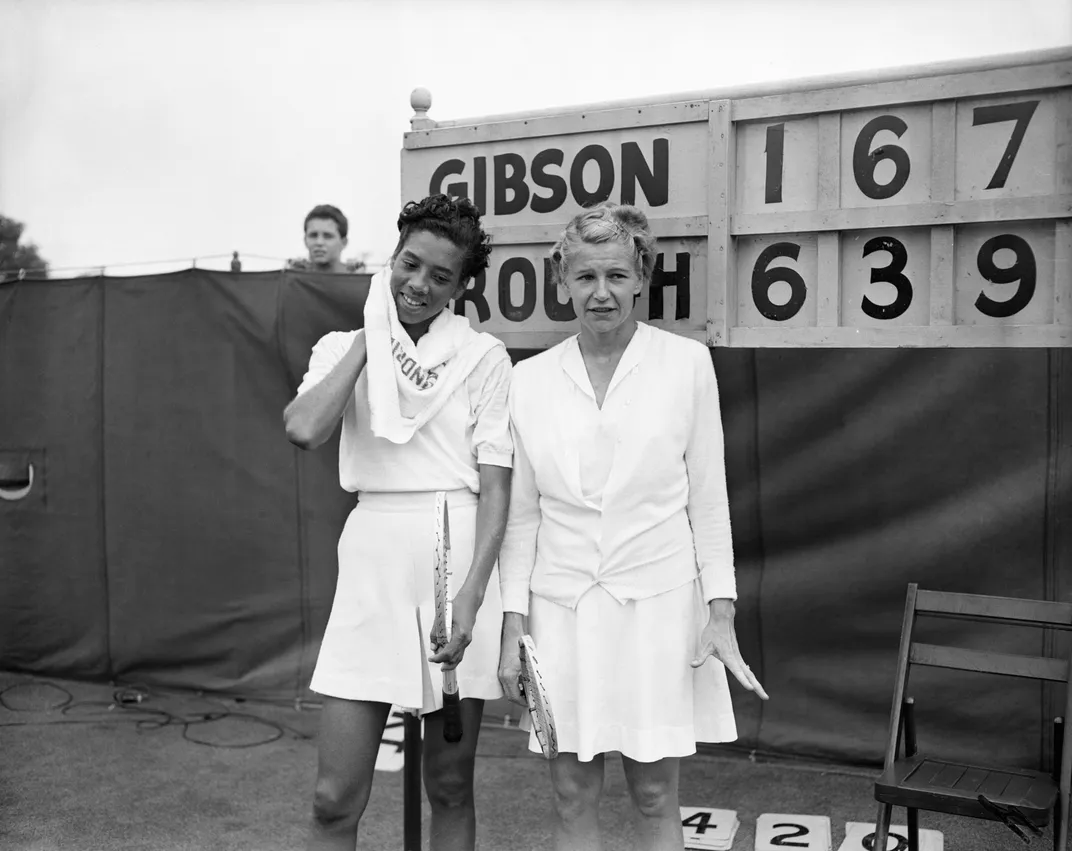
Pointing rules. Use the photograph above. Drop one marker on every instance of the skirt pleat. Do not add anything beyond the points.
(619, 679)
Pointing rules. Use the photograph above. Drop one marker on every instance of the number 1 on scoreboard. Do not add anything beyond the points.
(775, 151)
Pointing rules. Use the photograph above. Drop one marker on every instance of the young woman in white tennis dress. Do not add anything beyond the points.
(423, 403)
(618, 556)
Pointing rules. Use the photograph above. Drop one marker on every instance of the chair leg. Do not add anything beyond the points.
(913, 829)
(882, 827)
(1063, 759)
(1061, 822)
(1058, 748)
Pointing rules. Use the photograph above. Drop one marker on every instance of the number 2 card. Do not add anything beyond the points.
(779, 832)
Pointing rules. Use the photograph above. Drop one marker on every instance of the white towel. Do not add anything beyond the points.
(408, 384)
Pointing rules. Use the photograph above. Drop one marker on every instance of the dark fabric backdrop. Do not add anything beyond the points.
(174, 537)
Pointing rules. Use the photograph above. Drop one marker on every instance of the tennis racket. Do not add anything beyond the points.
(444, 620)
(543, 721)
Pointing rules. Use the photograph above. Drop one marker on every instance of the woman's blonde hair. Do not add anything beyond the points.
(608, 222)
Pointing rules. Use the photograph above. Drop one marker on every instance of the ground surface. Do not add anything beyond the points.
(90, 777)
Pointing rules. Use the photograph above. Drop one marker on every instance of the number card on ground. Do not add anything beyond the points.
(779, 832)
(860, 836)
(707, 829)
(929, 206)
(391, 755)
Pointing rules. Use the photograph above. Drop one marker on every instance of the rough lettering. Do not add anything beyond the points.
(679, 279)
(474, 294)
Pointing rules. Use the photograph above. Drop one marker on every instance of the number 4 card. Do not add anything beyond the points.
(860, 836)
(709, 829)
(779, 832)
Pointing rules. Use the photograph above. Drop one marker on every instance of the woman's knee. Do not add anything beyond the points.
(337, 807)
(654, 797)
(449, 783)
(577, 791)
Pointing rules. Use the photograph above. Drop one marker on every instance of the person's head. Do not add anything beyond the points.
(441, 247)
(602, 261)
(326, 229)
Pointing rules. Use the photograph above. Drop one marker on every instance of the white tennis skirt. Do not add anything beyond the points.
(618, 675)
(377, 642)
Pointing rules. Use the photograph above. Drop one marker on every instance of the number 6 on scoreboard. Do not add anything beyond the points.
(763, 278)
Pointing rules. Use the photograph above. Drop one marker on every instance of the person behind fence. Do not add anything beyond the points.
(326, 236)
(618, 558)
(423, 401)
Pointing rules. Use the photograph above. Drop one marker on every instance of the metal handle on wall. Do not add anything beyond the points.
(14, 485)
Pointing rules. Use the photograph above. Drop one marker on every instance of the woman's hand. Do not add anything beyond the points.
(464, 607)
(510, 658)
(720, 641)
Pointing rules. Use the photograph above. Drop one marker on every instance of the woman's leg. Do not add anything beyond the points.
(577, 787)
(653, 788)
(348, 742)
(448, 779)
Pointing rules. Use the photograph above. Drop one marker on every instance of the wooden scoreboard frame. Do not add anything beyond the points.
(926, 206)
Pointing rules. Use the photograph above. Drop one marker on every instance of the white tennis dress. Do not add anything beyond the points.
(376, 643)
(619, 534)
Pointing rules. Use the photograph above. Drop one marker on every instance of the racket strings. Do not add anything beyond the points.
(441, 623)
(539, 705)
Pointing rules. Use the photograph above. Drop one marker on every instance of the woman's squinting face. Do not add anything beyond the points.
(425, 276)
(602, 281)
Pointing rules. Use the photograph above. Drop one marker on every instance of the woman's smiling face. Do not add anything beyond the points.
(425, 275)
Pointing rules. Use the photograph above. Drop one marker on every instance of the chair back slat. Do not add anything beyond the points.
(962, 659)
(1008, 609)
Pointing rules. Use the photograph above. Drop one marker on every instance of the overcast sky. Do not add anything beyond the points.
(143, 131)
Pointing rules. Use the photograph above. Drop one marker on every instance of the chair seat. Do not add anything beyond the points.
(937, 785)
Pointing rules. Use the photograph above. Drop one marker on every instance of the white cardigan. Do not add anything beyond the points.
(663, 515)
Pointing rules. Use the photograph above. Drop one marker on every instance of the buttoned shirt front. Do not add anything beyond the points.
(631, 496)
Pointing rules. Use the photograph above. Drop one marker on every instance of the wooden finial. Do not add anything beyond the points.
(420, 100)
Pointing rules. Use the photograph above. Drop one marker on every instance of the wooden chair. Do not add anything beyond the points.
(1019, 798)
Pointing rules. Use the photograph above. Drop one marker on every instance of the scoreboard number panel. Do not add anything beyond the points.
(943, 221)
(885, 277)
(1004, 274)
(886, 156)
(775, 165)
(776, 276)
(1006, 147)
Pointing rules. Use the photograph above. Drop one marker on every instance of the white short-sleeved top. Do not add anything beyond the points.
(472, 428)
(631, 496)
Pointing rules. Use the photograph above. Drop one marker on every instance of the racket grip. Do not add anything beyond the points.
(452, 717)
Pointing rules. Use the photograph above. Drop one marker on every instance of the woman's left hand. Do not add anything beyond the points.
(465, 607)
(719, 639)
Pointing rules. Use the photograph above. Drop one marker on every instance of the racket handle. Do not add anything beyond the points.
(452, 717)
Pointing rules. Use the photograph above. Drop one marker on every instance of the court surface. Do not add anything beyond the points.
(100, 775)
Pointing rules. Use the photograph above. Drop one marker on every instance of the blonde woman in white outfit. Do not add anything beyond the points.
(618, 557)
(423, 403)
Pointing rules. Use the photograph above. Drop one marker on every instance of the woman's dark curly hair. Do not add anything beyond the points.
(456, 219)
